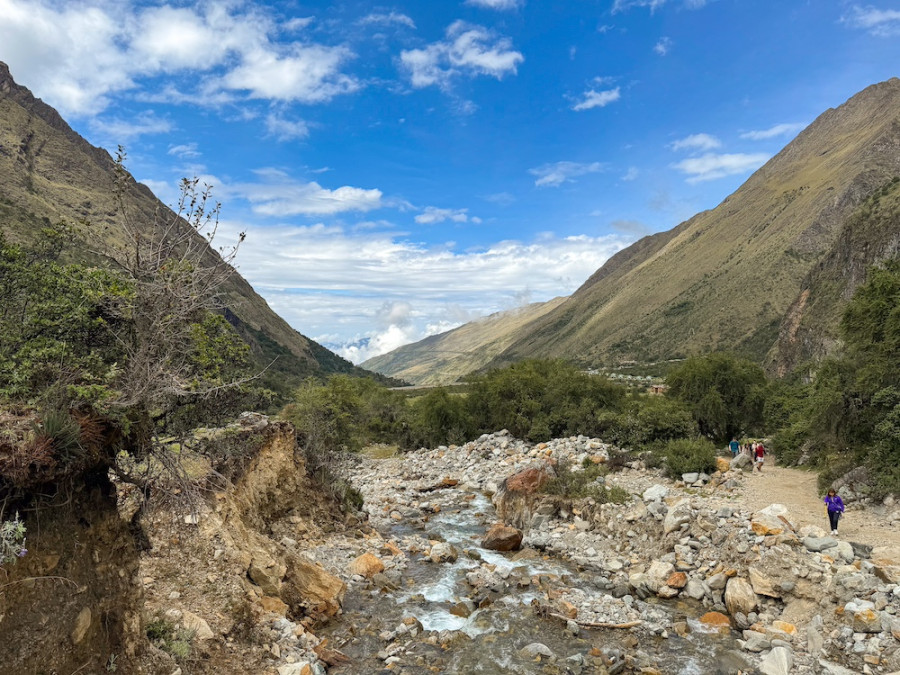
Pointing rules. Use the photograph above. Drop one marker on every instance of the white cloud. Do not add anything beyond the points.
(433, 214)
(554, 175)
(697, 142)
(467, 50)
(496, 4)
(216, 47)
(597, 99)
(624, 5)
(279, 195)
(775, 131)
(501, 198)
(879, 22)
(632, 174)
(308, 74)
(387, 19)
(184, 151)
(663, 46)
(120, 130)
(327, 281)
(711, 166)
(284, 129)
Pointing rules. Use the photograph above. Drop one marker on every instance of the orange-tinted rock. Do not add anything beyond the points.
(568, 610)
(502, 538)
(528, 480)
(716, 620)
(274, 605)
(677, 580)
(367, 565)
(723, 464)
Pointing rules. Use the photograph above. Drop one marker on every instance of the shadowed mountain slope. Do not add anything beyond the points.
(49, 173)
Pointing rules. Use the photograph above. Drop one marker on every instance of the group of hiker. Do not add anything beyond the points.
(834, 505)
(755, 449)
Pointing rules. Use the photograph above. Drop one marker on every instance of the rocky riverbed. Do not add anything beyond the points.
(679, 578)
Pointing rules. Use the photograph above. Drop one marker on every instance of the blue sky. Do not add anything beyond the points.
(403, 167)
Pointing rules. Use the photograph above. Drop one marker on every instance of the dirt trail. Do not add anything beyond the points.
(798, 491)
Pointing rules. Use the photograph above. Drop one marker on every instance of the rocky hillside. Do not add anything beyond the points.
(765, 273)
(50, 173)
(445, 358)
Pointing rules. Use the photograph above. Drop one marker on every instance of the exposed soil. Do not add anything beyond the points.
(798, 491)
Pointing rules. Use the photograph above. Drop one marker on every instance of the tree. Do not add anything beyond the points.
(726, 394)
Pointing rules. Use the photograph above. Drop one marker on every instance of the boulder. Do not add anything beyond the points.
(678, 515)
(274, 605)
(311, 587)
(695, 589)
(779, 661)
(443, 552)
(266, 572)
(502, 538)
(739, 596)
(197, 625)
(517, 497)
(886, 560)
(723, 464)
(367, 565)
(819, 544)
(690, 478)
(742, 461)
(866, 621)
(536, 649)
(655, 493)
(677, 580)
(762, 583)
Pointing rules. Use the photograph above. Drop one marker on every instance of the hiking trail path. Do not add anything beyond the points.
(798, 491)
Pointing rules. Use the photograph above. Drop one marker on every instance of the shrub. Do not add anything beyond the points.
(690, 456)
(12, 540)
(580, 484)
(171, 638)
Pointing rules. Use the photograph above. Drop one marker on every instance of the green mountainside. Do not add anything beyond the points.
(48, 173)
(444, 358)
(764, 274)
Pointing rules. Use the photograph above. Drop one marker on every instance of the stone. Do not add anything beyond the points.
(755, 641)
(678, 515)
(819, 544)
(536, 649)
(723, 464)
(829, 668)
(197, 625)
(517, 498)
(716, 620)
(766, 524)
(443, 552)
(844, 551)
(636, 512)
(866, 621)
(742, 461)
(690, 478)
(267, 573)
(299, 668)
(311, 586)
(366, 565)
(886, 560)
(695, 589)
(739, 596)
(677, 580)
(274, 605)
(502, 538)
(762, 583)
(655, 577)
(779, 661)
(784, 627)
(82, 625)
(655, 493)
(815, 641)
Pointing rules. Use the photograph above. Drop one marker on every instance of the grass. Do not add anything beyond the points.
(583, 484)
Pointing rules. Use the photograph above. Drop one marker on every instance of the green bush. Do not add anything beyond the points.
(12, 540)
(689, 456)
(581, 484)
(171, 638)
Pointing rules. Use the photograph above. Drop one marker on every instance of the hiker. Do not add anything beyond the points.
(759, 453)
(835, 507)
(735, 446)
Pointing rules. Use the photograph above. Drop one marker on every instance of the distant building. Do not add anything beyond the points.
(657, 389)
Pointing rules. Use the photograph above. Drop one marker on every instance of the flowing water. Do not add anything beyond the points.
(490, 639)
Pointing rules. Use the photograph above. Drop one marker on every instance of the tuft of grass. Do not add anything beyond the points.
(574, 484)
(172, 639)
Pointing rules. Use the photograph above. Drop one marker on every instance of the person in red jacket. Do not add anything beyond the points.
(759, 456)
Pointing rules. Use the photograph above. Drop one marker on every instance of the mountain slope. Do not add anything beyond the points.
(727, 278)
(444, 358)
(50, 173)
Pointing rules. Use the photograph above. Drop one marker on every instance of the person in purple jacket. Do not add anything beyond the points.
(835, 507)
